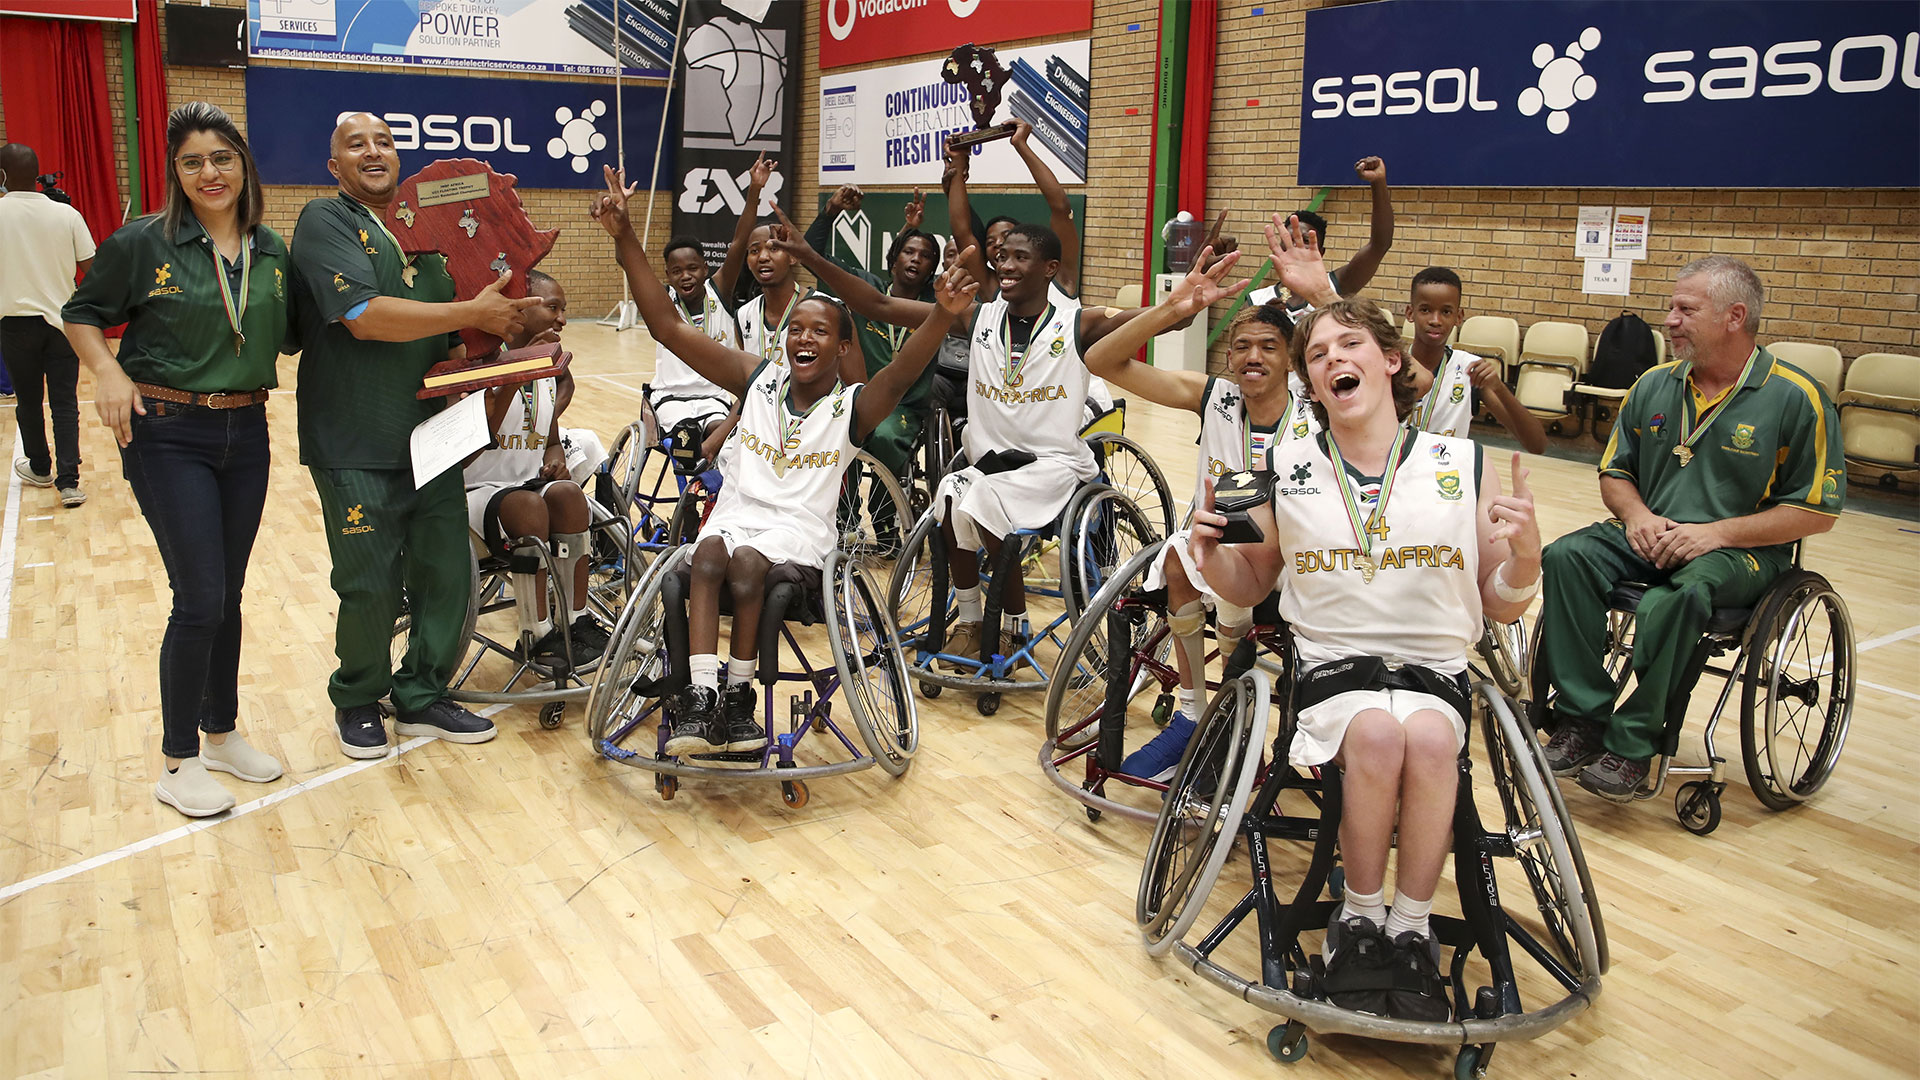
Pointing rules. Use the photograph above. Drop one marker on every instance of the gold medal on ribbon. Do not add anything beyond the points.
(1691, 430)
(1375, 524)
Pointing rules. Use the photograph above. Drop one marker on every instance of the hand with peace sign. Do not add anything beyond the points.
(610, 209)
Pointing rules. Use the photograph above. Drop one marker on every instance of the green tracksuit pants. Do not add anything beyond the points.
(396, 549)
(1579, 570)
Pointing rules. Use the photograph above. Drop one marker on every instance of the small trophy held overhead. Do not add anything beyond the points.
(980, 71)
(461, 208)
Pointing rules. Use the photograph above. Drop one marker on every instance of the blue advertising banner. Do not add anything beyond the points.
(575, 37)
(548, 134)
(1615, 93)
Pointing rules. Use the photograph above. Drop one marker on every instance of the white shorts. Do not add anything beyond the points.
(1157, 572)
(585, 452)
(480, 495)
(706, 410)
(1320, 729)
(777, 541)
(1030, 497)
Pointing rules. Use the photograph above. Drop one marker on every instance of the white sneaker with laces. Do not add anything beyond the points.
(25, 472)
(238, 757)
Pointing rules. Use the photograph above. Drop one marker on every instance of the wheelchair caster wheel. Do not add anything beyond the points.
(1093, 815)
(1162, 710)
(987, 704)
(667, 786)
(1471, 1064)
(794, 793)
(1697, 804)
(930, 690)
(552, 713)
(1337, 883)
(1288, 1042)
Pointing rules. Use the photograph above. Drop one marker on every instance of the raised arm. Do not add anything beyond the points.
(727, 368)
(859, 295)
(1360, 269)
(1509, 546)
(1113, 356)
(1513, 416)
(960, 212)
(954, 292)
(1059, 211)
(1296, 255)
(729, 276)
(845, 200)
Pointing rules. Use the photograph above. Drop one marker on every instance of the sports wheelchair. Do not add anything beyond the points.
(1222, 793)
(499, 667)
(1793, 659)
(1121, 658)
(629, 713)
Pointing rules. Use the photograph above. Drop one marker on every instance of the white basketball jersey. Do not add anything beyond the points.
(1448, 407)
(1423, 605)
(672, 377)
(787, 467)
(768, 342)
(1226, 433)
(521, 437)
(1036, 405)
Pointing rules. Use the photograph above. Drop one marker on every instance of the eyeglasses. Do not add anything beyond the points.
(224, 160)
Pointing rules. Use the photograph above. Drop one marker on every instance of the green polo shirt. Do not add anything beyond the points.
(1776, 443)
(879, 341)
(168, 294)
(356, 397)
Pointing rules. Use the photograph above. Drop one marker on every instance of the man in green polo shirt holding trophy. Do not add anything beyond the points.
(1718, 463)
(372, 320)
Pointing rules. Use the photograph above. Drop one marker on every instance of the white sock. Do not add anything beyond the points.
(1190, 703)
(705, 670)
(1370, 906)
(968, 605)
(542, 628)
(1014, 622)
(739, 671)
(1408, 914)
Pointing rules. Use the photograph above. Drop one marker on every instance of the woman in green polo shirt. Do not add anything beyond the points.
(202, 287)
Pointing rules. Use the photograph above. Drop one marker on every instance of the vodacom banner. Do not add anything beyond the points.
(858, 31)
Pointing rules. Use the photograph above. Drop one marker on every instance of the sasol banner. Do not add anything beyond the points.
(569, 36)
(548, 134)
(1614, 93)
(860, 31)
(890, 125)
(741, 74)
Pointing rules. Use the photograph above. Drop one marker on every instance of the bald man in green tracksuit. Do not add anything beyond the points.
(1718, 463)
(372, 321)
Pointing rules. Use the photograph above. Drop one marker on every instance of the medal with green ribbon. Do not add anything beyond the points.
(774, 346)
(1418, 421)
(1691, 430)
(790, 428)
(408, 271)
(236, 307)
(1246, 432)
(1375, 526)
(1010, 375)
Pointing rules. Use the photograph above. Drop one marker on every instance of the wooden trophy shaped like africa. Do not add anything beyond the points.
(977, 68)
(461, 208)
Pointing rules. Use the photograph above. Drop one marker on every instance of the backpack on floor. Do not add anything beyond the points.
(1625, 351)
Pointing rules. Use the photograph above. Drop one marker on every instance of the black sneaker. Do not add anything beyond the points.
(696, 723)
(589, 644)
(744, 732)
(1360, 965)
(1614, 778)
(1576, 745)
(363, 734)
(1419, 992)
(445, 721)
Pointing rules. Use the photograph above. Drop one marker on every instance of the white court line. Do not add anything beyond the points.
(1888, 639)
(9, 539)
(1887, 689)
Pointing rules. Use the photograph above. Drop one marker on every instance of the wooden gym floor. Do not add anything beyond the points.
(524, 908)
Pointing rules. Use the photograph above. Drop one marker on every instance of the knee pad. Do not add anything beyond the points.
(568, 547)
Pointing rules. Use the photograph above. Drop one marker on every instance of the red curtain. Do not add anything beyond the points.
(53, 76)
(1203, 17)
(150, 90)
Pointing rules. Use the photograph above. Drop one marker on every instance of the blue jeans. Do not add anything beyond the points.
(200, 477)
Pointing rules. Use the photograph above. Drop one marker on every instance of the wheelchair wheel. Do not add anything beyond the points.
(872, 669)
(1077, 691)
(1543, 838)
(1201, 816)
(1104, 529)
(625, 462)
(1504, 655)
(1133, 472)
(873, 513)
(1796, 700)
(1618, 650)
(635, 653)
(910, 589)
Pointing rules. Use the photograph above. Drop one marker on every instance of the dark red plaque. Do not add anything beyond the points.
(464, 210)
(509, 367)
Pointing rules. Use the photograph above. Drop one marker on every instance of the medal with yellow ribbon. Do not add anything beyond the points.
(408, 271)
(1691, 431)
(236, 306)
(775, 341)
(1430, 402)
(1375, 527)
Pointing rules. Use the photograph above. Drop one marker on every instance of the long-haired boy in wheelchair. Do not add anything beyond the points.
(800, 425)
(1389, 545)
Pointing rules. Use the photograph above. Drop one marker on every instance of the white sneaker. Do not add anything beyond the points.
(25, 472)
(242, 760)
(192, 790)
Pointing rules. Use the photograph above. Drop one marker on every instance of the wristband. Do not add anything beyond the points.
(1508, 592)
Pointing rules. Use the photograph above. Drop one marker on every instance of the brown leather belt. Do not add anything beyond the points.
(225, 399)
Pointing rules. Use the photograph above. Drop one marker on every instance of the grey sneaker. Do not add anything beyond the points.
(25, 472)
(1576, 745)
(71, 497)
(1614, 778)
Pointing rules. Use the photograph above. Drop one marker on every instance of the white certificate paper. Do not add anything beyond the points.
(446, 438)
(1593, 232)
(1630, 232)
(1608, 277)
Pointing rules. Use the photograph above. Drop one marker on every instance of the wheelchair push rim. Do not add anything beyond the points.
(872, 668)
(633, 654)
(1796, 701)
